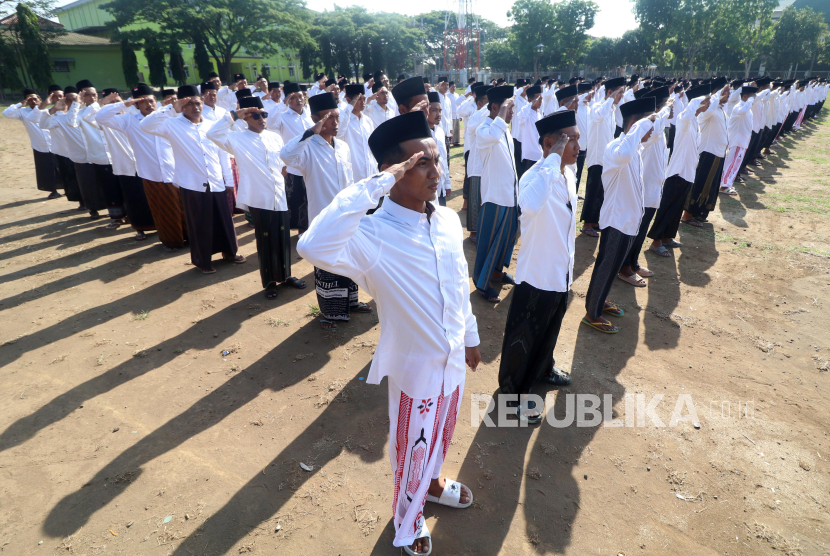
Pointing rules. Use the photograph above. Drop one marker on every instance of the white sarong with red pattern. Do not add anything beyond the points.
(420, 431)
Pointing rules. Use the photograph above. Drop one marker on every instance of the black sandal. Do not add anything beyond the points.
(295, 282)
(361, 308)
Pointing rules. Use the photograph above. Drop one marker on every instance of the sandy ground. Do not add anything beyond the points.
(124, 429)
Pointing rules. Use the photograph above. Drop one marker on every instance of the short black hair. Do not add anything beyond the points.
(393, 155)
(635, 118)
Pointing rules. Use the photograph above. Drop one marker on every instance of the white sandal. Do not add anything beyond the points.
(424, 533)
(729, 191)
(451, 496)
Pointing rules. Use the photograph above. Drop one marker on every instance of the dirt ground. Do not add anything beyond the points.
(148, 409)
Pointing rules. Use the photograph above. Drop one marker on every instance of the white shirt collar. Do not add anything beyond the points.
(405, 215)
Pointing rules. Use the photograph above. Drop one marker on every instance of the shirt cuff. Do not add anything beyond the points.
(471, 339)
(552, 161)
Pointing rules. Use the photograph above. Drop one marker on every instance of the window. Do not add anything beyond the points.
(291, 72)
(60, 67)
(189, 46)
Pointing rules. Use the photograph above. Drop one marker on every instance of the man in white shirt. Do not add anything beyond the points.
(498, 221)
(378, 107)
(466, 108)
(46, 166)
(261, 88)
(601, 126)
(60, 120)
(622, 209)
(151, 199)
(739, 132)
(319, 85)
(455, 98)
(478, 111)
(380, 78)
(199, 178)
(544, 270)
(680, 172)
(585, 92)
(519, 101)
(411, 94)
(59, 142)
(355, 129)
(271, 102)
(261, 189)
(530, 114)
(713, 145)
(428, 328)
(325, 163)
(290, 123)
(446, 109)
(655, 155)
(434, 121)
(226, 96)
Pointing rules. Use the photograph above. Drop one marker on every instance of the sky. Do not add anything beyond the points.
(614, 17)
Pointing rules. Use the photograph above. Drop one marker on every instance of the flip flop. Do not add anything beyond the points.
(589, 232)
(613, 310)
(203, 271)
(672, 243)
(598, 326)
(295, 282)
(112, 226)
(634, 280)
(360, 308)
(644, 272)
(508, 279)
(662, 251)
(424, 533)
(556, 377)
(140, 237)
(330, 328)
(271, 291)
(522, 410)
(692, 222)
(729, 191)
(452, 495)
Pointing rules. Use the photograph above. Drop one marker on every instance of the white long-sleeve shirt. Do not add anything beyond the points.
(197, 158)
(713, 124)
(582, 121)
(622, 180)
(549, 102)
(516, 125)
(547, 199)
(444, 183)
(315, 90)
(39, 138)
(326, 169)
(740, 124)
(530, 135)
(355, 132)
(685, 156)
(214, 114)
(475, 166)
(601, 125)
(446, 113)
(121, 153)
(655, 156)
(153, 155)
(466, 109)
(414, 267)
(257, 155)
(226, 98)
(61, 124)
(59, 144)
(95, 144)
(499, 179)
(378, 113)
(289, 124)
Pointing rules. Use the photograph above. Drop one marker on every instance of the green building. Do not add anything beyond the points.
(86, 17)
(76, 56)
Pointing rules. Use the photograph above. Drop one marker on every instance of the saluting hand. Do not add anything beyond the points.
(420, 106)
(559, 146)
(179, 104)
(398, 170)
(318, 127)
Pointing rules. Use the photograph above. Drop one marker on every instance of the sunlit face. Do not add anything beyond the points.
(571, 152)
(331, 125)
(443, 87)
(434, 114)
(295, 102)
(383, 96)
(421, 181)
(209, 97)
(146, 105)
(193, 109)
(89, 95)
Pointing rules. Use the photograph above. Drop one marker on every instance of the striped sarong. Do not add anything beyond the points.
(168, 213)
(498, 228)
(473, 203)
(704, 193)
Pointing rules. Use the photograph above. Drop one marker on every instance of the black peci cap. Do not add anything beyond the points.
(69, 89)
(583, 88)
(207, 86)
(749, 90)
(533, 91)
(498, 95)
(168, 92)
(354, 90)
(290, 88)
(393, 132)
(27, 92)
(556, 121)
(242, 93)
(323, 101)
(319, 76)
(405, 90)
(140, 90)
(660, 94)
(239, 77)
(565, 92)
(481, 91)
(83, 84)
(614, 83)
(645, 105)
(189, 91)
(212, 74)
(273, 85)
(432, 96)
(250, 102)
(108, 91)
(53, 88)
(377, 86)
(698, 91)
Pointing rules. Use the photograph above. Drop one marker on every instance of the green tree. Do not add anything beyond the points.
(797, 37)
(227, 27)
(694, 22)
(657, 24)
(129, 63)
(202, 59)
(573, 20)
(500, 55)
(604, 53)
(747, 28)
(42, 8)
(155, 62)
(534, 24)
(33, 47)
(9, 78)
(634, 49)
(177, 62)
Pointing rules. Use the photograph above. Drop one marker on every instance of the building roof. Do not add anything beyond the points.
(74, 39)
(72, 5)
(12, 19)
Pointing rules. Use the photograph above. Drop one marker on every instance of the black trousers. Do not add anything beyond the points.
(530, 334)
(273, 245)
(613, 250)
(46, 172)
(465, 192)
(66, 169)
(704, 193)
(667, 220)
(527, 164)
(112, 190)
(580, 163)
(670, 139)
(594, 195)
(517, 155)
(297, 199)
(639, 239)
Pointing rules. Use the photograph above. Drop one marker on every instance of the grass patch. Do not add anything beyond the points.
(815, 203)
(313, 311)
(142, 315)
